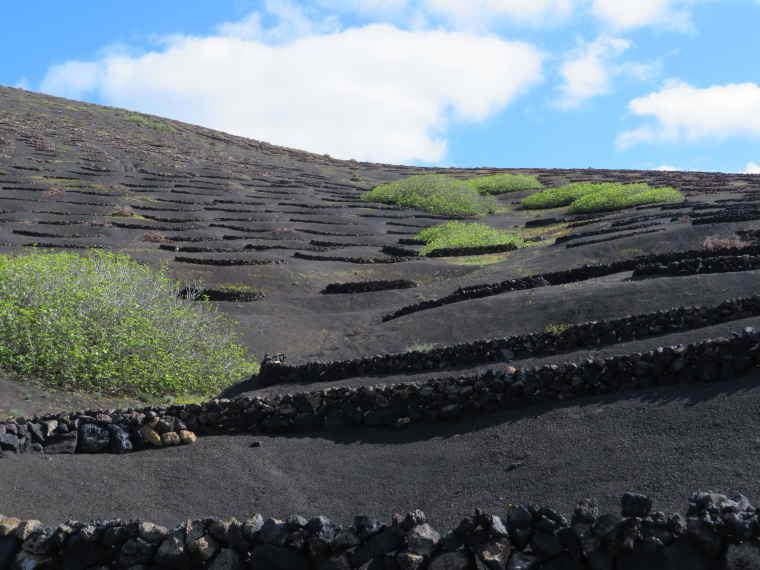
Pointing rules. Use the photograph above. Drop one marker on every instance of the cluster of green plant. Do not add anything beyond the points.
(552, 328)
(626, 197)
(105, 323)
(459, 234)
(586, 197)
(156, 125)
(435, 193)
(503, 183)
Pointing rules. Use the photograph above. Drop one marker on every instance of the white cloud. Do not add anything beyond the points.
(623, 14)
(683, 112)
(666, 168)
(375, 93)
(588, 71)
(289, 22)
(485, 10)
(752, 168)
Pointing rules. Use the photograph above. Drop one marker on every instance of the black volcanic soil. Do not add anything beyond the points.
(75, 175)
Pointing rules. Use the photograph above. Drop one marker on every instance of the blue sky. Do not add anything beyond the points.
(671, 84)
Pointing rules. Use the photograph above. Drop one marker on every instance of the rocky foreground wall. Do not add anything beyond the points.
(593, 333)
(716, 532)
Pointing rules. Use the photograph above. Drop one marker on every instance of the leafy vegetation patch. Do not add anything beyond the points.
(156, 125)
(626, 197)
(586, 197)
(108, 324)
(435, 193)
(503, 183)
(460, 234)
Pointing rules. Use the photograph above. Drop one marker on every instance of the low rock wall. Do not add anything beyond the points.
(593, 233)
(395, 405)
(360, 260)
(228, 262)
(728, 263)
(615, 237)
(479, 250)
(717, 531)
(582, 273)
(399, 251)
(367, 286)
(489, 350)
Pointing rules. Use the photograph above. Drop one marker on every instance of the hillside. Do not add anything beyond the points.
(270, 228)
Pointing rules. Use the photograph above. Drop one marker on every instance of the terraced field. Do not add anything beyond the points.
(331, 295)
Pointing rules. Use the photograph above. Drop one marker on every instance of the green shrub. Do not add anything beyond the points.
(434, 193)
(587, 197)
(503, 183)
(459, 234)
(563, 196)
(626, 197)
(105, 323)
(156, 125)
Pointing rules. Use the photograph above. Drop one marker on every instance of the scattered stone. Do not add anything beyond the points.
(170, 438)
(187, 437)
(151, 435)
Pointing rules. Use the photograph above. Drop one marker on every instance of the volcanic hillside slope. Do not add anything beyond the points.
(268, 229)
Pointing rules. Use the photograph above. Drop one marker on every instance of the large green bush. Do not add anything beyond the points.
(587, 197)
(105, 323)
(459, 234)
(435, 193)
(626, 197)
(503, 183)
(563, 196)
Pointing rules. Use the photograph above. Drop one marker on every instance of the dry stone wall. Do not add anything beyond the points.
(490, 350)
(717, 531)
(583, 273)
(397, 405)
(367, 286)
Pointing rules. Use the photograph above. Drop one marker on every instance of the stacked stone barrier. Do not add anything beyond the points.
(592, 333)
(615, 237)
(398, 251)
(477, 250)
(582, 273)
(47, 245)
(231, 296)
(397, 405)
(717, 531)
(735, 214)
(367, 286)
(697, 266)
(358, 260)
(228, 262)
(539, 222)
(593, 233)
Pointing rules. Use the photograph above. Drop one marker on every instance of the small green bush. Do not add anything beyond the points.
(626, 197)
(156, 125)
(503, 183)
(459, 234)
(434, 193)
(105, 323)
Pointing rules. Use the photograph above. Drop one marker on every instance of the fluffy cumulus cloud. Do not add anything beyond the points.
(752, 168)
(375, 93)
(683, 112)
(587, 72)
